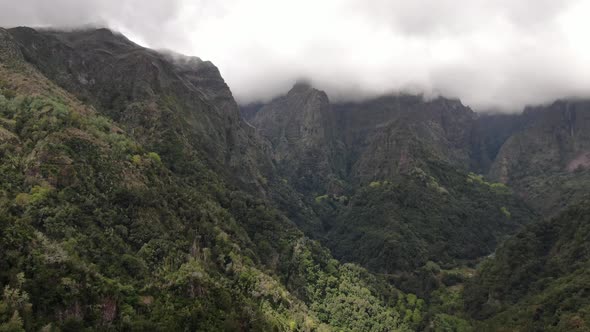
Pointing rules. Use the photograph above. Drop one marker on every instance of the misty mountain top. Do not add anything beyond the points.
(493, 55)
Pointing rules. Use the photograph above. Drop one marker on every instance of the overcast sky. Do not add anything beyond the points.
(492, 54)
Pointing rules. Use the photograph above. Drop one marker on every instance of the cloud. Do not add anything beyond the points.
(492, 54)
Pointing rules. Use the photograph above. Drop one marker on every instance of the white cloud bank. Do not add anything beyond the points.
(492, 54)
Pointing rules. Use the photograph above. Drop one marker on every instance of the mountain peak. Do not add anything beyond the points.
(301, 86)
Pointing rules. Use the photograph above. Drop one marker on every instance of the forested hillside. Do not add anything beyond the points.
(100, 231)
(398, 225)
(539, 280)
(404, 199)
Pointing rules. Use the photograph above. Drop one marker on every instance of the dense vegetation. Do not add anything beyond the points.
(97, 232)
(398, 225)
(539, 280)
(388, 179)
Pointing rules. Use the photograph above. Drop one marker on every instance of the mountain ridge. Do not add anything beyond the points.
(375, 134)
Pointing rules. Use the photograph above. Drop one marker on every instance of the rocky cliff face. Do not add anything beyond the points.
(401, 163)
(391, 135)
(301, 127)
(489, 133)
(548, 160)
(383, 138)
(178, 104)
(365, 141)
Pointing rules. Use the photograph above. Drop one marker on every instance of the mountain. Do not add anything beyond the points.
(300, 128)
(165, 100)
(547, 161)
(389, 179)
(134, 197)
(390, 135)
(176, 106)
(362, 142)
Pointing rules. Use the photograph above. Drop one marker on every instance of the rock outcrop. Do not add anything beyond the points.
(302, 129)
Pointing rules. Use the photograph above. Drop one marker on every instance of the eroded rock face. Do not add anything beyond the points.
(364, 141)
(391, 135)
(301, 127)
(180, 104)
(360, 142)
(547, 161)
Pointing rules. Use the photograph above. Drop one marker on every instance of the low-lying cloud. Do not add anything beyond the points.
(492, 54)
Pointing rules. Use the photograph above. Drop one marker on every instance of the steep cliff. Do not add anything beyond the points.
(390, 135)
(405, 195)
(302, 129)
(176, 104)
(115, 214)
(548, 161)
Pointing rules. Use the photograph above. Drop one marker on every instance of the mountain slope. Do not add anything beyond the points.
(539, 279)
(164, 100)
(302, 132)
(442, 215)
(389, 135)
(101, 231)
(177, 106)
(389, 179)
(548, 161)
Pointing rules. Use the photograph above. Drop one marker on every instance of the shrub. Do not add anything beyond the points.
(374, 184)
(22, 199)
(506, 212)
(155, 157)
(136, 159)
(319, 199)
